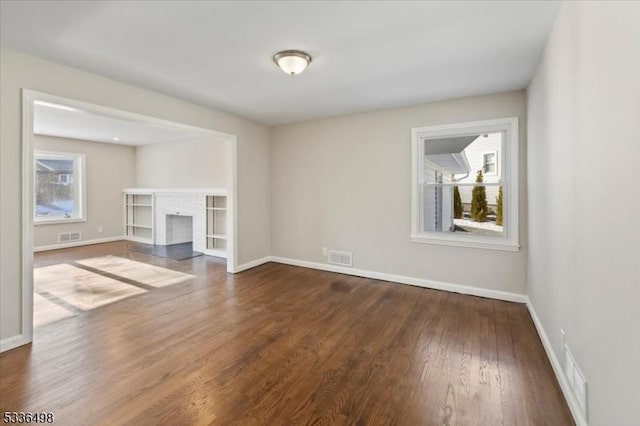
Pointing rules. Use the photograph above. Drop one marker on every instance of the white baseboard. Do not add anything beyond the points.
(78, 243)
(13, 342)
(252, 264)
(420, 282)
(573, 404)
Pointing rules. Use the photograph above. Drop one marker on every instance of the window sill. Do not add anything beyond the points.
(37, 222)
(484, 244)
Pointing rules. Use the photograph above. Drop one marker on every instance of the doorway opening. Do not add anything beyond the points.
(94, 176)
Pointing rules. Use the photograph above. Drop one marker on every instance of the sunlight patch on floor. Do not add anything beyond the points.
(82, 289)
(45, 311)
(142, 273)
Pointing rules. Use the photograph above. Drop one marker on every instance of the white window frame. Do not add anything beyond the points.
(484, 163)
(509, 160)
(79, 187)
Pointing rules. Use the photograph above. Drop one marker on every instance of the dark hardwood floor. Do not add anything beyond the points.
(280, 344)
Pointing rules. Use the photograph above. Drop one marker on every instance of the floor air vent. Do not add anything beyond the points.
(342, 258)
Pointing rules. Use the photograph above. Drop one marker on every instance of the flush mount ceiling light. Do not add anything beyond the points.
(292, 62)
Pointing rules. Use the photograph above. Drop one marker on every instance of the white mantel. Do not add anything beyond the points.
(207, 191)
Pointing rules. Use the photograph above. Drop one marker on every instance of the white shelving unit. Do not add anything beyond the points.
(146, 211)
(139, 216)
(216, 206)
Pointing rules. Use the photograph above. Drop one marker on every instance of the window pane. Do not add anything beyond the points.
(473, 209)
(437, 204)
(461, 158)
(490, 168)
(54, 188)
(466, 160)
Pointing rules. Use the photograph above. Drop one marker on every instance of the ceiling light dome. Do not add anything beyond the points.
(292, 62)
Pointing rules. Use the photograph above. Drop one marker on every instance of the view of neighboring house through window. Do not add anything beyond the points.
(59, 186)
(461, 188)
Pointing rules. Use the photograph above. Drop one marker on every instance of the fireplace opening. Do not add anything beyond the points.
(179, 229)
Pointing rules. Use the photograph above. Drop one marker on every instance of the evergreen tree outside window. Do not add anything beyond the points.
(499, 208)
(458, 209)
(479, 206)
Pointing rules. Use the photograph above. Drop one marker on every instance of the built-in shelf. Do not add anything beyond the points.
(216, 207)
(217, 252)
(147, 211)
(217, 236)
(138, 210)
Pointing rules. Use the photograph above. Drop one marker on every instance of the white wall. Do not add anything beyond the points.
(199, 163)
(23, 71)
(344, 183)
(584, 145)
(109, 169)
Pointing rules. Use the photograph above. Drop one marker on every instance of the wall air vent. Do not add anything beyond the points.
(342, 258)
(576, 380)
(65, 237)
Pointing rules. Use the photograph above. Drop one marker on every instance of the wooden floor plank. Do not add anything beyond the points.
(279, 344)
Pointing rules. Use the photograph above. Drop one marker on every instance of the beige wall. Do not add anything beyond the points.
(23, 71)
(189, 164)
(109, 169)
(584, 260)
(344, 183)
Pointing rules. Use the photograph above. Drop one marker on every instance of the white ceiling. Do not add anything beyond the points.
(366, 55)
(85, 125)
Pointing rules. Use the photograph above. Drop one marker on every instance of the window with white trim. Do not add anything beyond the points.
(465, 184)
(59, 187)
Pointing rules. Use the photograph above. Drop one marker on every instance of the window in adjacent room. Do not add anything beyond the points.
(59, 187)
(465, 184)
